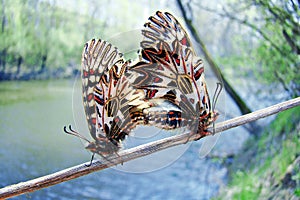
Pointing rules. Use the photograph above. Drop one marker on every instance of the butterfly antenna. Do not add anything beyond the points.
(215, 99)
(75, 133)
(216, 95)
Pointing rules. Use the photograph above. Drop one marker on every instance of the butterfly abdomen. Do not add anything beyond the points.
(164, 119)
(164, 114)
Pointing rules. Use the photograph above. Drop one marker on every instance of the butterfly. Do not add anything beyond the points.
(107, 96)
(173, 77)
(163, 87)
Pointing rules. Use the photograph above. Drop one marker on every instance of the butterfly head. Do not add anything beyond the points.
(103, 146)
(211, 114)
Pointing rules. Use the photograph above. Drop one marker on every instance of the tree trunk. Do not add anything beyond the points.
(3, 52)
(3, 21)
(20, 60)
(43, 65)
(233, 94)
(3, 60)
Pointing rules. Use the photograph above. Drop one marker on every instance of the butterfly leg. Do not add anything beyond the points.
(103, 157)
(202, 131)
(121, 160)
(188, 138)
(91, 162)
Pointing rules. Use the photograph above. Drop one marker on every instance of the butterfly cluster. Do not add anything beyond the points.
(163, 87)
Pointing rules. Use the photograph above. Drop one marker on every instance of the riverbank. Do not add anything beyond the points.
(268, 167)
(15, 74)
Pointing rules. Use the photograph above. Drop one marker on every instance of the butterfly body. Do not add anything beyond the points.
(163, 114)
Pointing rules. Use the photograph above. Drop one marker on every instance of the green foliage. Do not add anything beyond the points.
(249, 188)
(274, 65)
(37, 33)
(269, 49)
(273, 156)
(296, 178)
(38, 37)
(297, 192)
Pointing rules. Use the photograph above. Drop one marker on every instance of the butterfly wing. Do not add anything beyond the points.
(116, 97)
(98, 57)
(167, 54)
(169, 63)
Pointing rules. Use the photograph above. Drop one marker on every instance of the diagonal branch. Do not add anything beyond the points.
(136, 152)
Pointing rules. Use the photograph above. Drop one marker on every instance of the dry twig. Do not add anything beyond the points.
(136, 152)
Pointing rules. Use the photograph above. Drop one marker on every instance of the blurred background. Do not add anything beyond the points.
(252, 46)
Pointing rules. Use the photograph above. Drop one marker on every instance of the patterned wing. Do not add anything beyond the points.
(169, 65)
(165, 38)
(168, 57)
(115, 96)
(98, 57)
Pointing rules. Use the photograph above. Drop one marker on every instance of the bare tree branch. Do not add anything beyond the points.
(291, 42)
(245, 22)
(285, 16)
(136, 152)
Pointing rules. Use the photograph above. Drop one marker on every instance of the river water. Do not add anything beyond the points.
(32, 144)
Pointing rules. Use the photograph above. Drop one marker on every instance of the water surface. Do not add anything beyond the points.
(32, 144)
